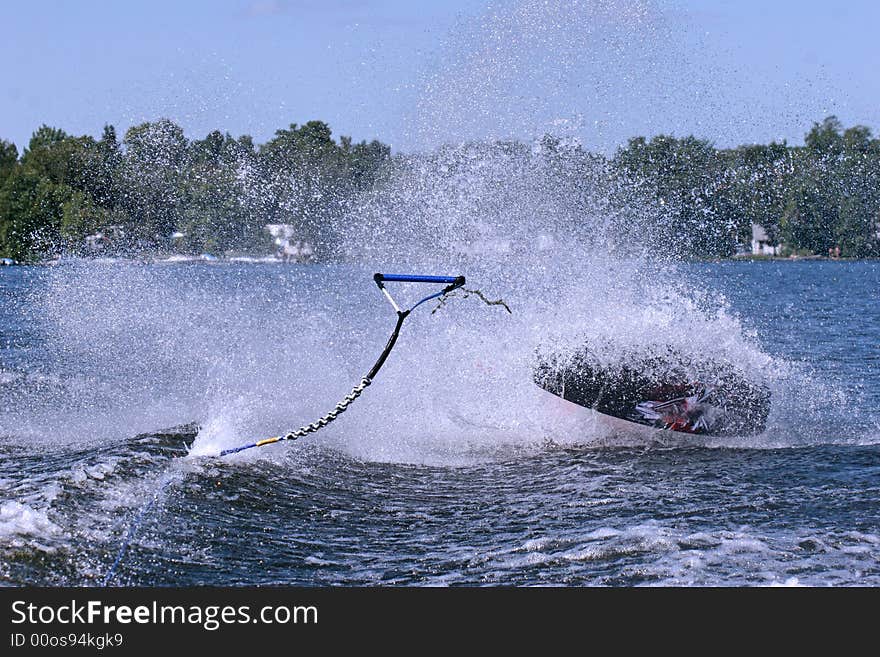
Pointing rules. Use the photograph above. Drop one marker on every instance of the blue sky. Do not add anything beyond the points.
(731, 71)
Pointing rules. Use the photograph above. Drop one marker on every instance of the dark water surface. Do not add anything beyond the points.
(102, 398)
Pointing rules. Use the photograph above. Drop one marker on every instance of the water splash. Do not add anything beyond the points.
(249, 352)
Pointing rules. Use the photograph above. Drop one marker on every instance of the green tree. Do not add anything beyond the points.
(8, 159)
(151, 175)
(858, 206)
(834, 202)
(682, 178)
(758, 179)
(304, 173)
(825, 138)
(33, 206)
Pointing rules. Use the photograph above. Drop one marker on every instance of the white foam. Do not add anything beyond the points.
(317, 561)
(18, 519)
(873, 539)
(790, 582)
(221, 431)
(742, 545)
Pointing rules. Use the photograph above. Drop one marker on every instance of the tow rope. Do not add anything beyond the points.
(451, 282)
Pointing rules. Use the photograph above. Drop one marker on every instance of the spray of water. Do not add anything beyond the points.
(250, 352)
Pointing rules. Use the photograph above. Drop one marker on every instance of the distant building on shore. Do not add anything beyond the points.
(761, 244)
(289, 249)
(97, 242)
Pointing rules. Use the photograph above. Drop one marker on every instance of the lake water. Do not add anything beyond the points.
(445, 471)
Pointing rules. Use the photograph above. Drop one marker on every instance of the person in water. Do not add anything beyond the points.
(690, 414)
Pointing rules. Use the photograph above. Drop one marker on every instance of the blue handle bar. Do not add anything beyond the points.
(413, 278)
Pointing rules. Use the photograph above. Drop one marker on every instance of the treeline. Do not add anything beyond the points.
(157, 191)
(809, 199)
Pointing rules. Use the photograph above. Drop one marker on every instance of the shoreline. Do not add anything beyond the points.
(271, 259)
(793, 258)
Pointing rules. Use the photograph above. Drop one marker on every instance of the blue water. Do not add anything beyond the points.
(110, 372)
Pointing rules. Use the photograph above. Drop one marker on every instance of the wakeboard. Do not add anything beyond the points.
(660, 389)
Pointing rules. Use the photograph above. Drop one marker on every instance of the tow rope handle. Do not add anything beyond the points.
(458, 281)
(452, 283)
